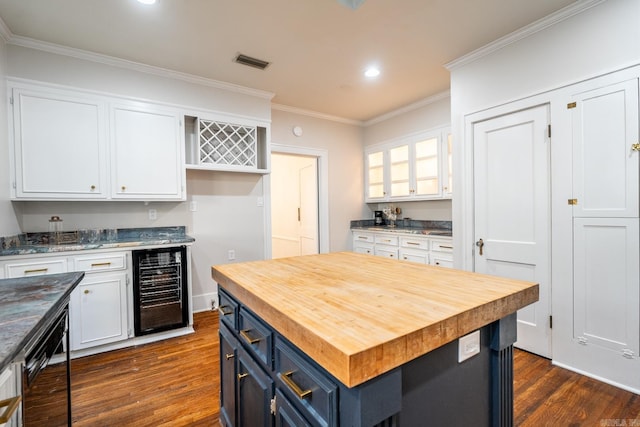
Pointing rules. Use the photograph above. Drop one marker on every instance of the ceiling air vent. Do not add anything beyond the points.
(251, 62)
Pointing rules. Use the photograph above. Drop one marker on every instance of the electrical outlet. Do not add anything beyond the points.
(232, 254)
(193, 206)
(468, 346)
(153, 214)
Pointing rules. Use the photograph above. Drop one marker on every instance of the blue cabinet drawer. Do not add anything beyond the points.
(306, 386)
(256, 336)
(228, 309)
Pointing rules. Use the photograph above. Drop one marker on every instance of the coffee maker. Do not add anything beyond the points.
(378, 219)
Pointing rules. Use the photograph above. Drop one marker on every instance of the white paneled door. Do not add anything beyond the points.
(512, 211)
(600, 331)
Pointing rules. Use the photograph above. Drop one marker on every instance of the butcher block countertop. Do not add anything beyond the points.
(359, 316)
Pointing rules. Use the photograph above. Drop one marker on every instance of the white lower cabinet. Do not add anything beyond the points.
(10, 392)
(386, 245)
(99, 306)
(363, 242)
(98, 310)
(405, 247)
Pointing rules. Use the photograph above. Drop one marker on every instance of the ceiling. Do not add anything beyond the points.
(318, 49)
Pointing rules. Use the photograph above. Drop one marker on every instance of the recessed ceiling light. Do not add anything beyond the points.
(372, 72)
(147, 1)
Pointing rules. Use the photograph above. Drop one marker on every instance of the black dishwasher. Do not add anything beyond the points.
(46, 396)
(160, 289)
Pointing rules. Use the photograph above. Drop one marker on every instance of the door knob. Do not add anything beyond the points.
(480, 244)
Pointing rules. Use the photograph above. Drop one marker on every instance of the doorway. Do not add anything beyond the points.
(294, 205)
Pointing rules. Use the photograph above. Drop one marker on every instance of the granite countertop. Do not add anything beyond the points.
(429, 228)
(25, 305)
(41, 243)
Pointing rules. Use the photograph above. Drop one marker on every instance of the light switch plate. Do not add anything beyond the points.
(468, 346)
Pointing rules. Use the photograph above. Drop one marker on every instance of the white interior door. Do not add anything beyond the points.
(512, 211)
(294, 205)
(308, 213)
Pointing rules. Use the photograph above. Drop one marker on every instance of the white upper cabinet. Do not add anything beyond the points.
(376, 181)
(223, 143)
(606, 169)
(146, 153)
(75, 145)
(415, 168)
(60, 146)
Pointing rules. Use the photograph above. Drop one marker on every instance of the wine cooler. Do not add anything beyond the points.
(160, 289)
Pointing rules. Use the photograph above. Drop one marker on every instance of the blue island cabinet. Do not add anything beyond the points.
(267, 381)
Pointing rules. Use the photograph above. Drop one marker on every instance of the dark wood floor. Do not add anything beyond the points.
(175, 382)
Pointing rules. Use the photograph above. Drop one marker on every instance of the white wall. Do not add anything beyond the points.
(343, 142)
(433, 113)
(598, 40)
(227, 215)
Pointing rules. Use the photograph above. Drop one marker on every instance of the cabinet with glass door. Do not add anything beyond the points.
(414, 168)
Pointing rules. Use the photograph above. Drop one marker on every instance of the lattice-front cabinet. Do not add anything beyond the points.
(220, 145)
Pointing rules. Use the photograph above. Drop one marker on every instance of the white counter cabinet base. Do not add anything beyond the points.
(423, 249)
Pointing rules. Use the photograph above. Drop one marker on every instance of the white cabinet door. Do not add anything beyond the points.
(606, 168)
(10, 392)
(147, 153)
(98, 310)
(375, 176)
(59, 145)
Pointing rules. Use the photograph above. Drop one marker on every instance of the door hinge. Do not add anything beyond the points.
(628, 353)
(549, 131)
(272, 406)
(571, 105)
(572, 201)
(11, 100)
(550, 322)
(583, 340)
(126, 281)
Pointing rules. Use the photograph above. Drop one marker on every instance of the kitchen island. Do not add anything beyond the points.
(350, 339)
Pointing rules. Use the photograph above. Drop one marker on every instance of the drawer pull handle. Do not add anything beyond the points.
(10, 406)
(446, 247)
(241, 376)
(386, 240)
(101, 264)
(363, 238)
(229, 356)
(302, 394)
(37, 270)
(413, 243)
(245, 334)
(225, 310)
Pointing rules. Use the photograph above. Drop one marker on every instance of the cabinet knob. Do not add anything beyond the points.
(93, 187)
(86, 291)
(123, 188)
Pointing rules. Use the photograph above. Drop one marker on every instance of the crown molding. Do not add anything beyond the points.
(5, 32)
(135, 66)
(315, 114)
(565, 13)
(407, 108)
